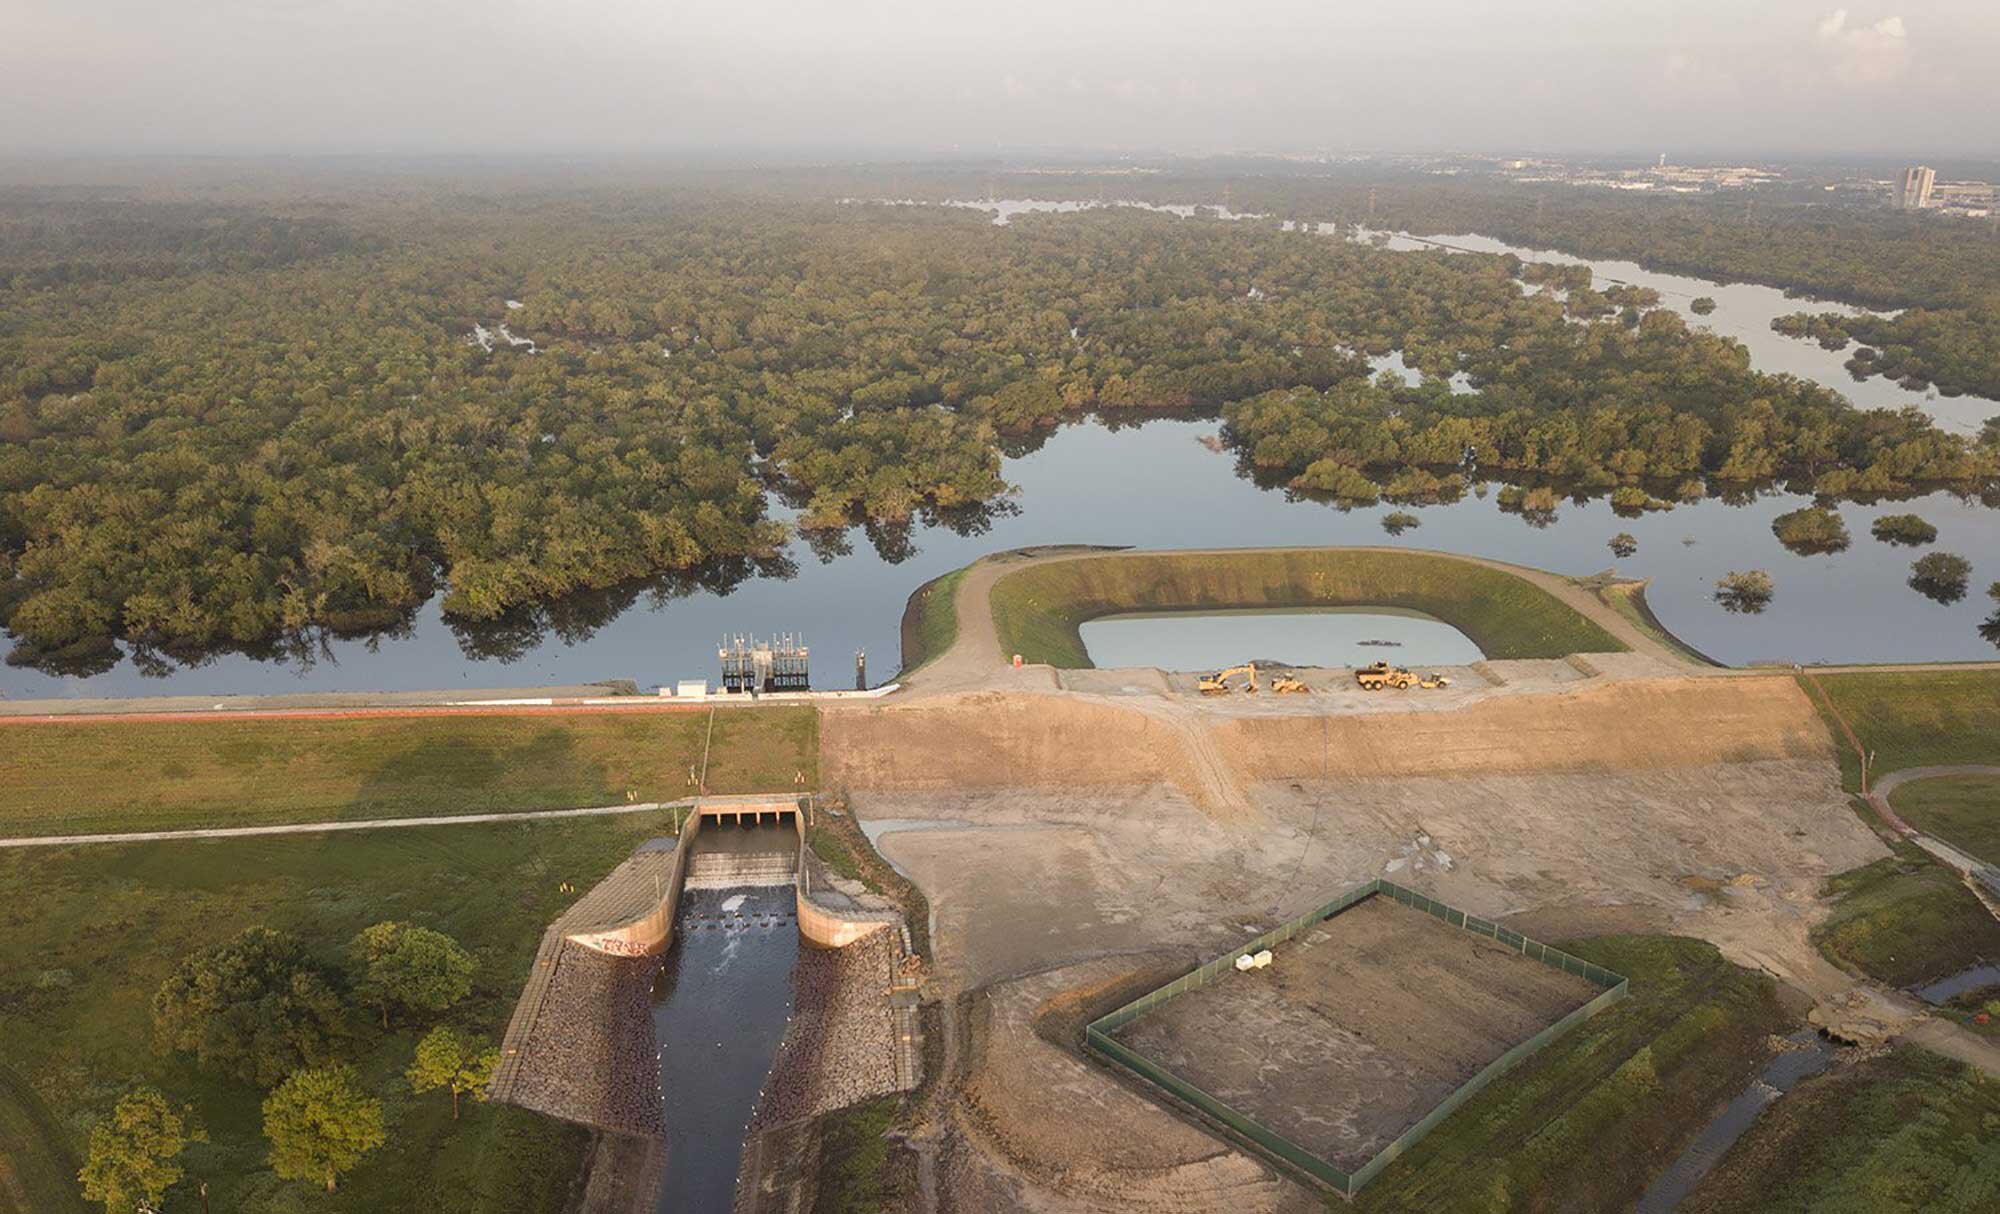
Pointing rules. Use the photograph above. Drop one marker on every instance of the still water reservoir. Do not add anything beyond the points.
(1164, 481)
(1335, 636)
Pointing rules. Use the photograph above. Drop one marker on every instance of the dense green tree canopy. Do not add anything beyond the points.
(230, 426)
(411, 969)
(448, 1058)
(253, 1008)
(135, 1152)
(320, 1123)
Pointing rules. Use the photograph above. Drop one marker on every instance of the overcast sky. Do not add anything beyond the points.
(1903, 78)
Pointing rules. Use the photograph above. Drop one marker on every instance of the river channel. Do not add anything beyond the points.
(1158, 483)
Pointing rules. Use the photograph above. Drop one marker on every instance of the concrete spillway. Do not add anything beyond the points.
(721, 1007)
(659, 1001)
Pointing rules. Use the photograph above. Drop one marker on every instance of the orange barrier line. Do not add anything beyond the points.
(337, 714)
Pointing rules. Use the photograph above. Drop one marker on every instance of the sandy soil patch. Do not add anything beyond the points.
(1358, 1028)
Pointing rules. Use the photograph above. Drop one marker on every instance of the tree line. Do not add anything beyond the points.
(202, 449)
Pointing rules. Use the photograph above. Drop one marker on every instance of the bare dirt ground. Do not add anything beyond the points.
(1060, 836)
(1358, 1027)
(1036, 1127)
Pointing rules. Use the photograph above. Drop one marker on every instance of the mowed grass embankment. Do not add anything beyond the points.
(930, 620)
(1905, 920)
(88, 933)
(1908, 919)
(1037, 610)
(1912, 718)
(75, 777)
(1964, 811)
(1585, 1124)
(1904, 1131)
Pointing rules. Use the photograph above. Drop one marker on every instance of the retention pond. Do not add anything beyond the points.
(1338, 636)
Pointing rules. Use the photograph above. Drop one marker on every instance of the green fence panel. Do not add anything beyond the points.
(1099, 1040)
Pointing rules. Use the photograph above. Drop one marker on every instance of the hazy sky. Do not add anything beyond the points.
(1912, 78)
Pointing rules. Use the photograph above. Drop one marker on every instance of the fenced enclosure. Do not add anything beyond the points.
(1246, 1127)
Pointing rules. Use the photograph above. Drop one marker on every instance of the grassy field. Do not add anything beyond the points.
(1962, 810)
(1904, 1132)
(1585, 1124)
(1906, 920)
(37, 1172)
(930, 620)
(1038, 610)
(98, 776)
(1914, 718)
(88, 933)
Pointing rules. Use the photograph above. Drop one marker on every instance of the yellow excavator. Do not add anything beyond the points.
(1217, 684)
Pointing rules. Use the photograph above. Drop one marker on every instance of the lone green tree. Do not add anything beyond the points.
(135, 1153)
(413, 969)
(1941, 576)
(320, 1124)
(447, 1058)
(255, 1008)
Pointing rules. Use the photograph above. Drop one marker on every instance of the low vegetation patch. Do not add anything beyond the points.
(92, 933)
(78, 777)
(1746, 592)
(1906, 920)
(1915, 718)
(1811, 531)
(1962, 810)
(930, 620)
(1396, 522)
(1585, 1123)
(1907, 1130)
(1038, 610)
(1906, 529)
(857, 1173)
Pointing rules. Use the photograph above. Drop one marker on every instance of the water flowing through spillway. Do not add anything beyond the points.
(720, 1010)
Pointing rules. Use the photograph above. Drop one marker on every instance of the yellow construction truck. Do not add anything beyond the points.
(1378, 675)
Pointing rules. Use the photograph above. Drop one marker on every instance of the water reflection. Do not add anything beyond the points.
(1165, 481)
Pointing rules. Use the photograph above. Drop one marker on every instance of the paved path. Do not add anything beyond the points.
(1879, 790)
(311, 828)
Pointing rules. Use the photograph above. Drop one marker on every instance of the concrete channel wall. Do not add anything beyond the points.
(831, 927)
(631, 913)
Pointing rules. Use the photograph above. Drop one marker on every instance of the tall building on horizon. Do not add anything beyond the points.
(1918, 182)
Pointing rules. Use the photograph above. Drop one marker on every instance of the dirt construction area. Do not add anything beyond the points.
(1086, 836)
(1070, 842)
(1358, 1028)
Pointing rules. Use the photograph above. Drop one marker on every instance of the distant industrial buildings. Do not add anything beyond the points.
(1918, 182)
(1922, 191)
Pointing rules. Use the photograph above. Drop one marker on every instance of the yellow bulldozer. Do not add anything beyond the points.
(1217, 684)
(1286, 685)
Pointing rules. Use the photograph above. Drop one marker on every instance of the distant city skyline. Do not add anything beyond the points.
(1798, 78)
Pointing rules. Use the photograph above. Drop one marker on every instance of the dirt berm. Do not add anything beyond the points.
(1001, 739)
